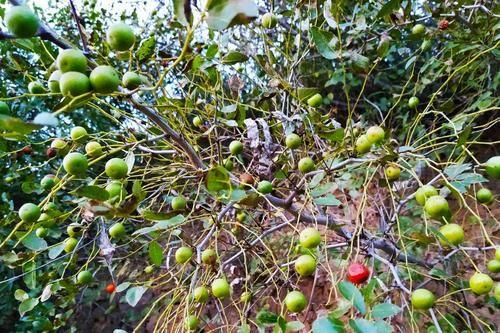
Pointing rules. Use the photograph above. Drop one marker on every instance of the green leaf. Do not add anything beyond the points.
(389, 7)
(328, 325)
(93, 192)
(328, 200)
(182, 11)
(384, 310)
(122, 286)
(234, 57)
(265, 317)
(29, 278)
(155, 253)
(134, 295)
(16, 125)
(361, 325)
(161, 225)
(146, 50)
(218, 179)
(351, 293)
(383, 327)
(244, 328)
(27, 305)
(226, 13)
(294, 326)
(20, 295)
(322, 189)
(34, 243)
(322, 40)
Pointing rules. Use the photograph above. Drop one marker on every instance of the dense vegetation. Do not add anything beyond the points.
(244, 166)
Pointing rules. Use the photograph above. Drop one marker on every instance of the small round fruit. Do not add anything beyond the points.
(191, 322)
(437, 207)
(53, 82)
(220, 288)
(497, 253)
(131, 80)
(29, 212)
(413, 102)
(41, 232)
(484, 196)
(104, 79)
(422, 299)
(116, 190)
(269, 20)
(228, 164)
(418, 30)
(265, 187)
(246, 297)
(47, 221)
(363, 144)
(293, 141)
(426, 45)
(200, 294)
(48, 182)
(110, 288)
(84, 277)
(74, 84)
(79, 134)
(4, 108)
(497, 292)
(60, 146)
(117, 230)
(453, 233)
(305, 265)
(246, 179)
(93, 149)
(71, 60)
(70, 244)
(309, 238)
(443, 24)
(35, 87)
(357, 273)
(315, 101)
(295, 301)
(306, 165)
(494, 266)
(116, 168)
(236, 147)
(392, 173)
(120, 37)
(424, 192)
(149, 269)
(73, 230)
(21, 21)
(375, 134)
(208, 256)
(183, 254)
(179, 203)
(492, 167)
(51, 152)
(197, 121)
(75, 164)
(480, 283)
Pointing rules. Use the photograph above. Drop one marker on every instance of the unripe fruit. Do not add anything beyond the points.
(84, 277)
(29, 213)
(79, 134)
(309, 238)
(293, 141)
(424, 192)
(117, 230)
(116, 168)
(363, 144)
(494, 266)
(306, 165)
(46, 220)
(93, 149)
(453, 233)
(48, 182)
(228, 164)
(246, 297)
(315, 101)
(117, 191)
(110, 288)
(484, 196)
(492, 166)
(480, 283)
(74, 84)
(418, 30)
(4, 108)
(179, 203)
(357, 273)
(35, 87)
(497, 292)
(236, 147)
(265, 187)
(295, 301)
(41, 232)
(413, 102)
(191, 322)
(426, 45)
(246, 179)
(183, 254)
(220, 288)
(197, 121)
(200, 294)
(60, 146)
(104, 79)
(375, 134)
(53, 82)
(422, 299)
(21, 21)
(120, 37)
(437, 207)
(392, 172)
(497, 253)
(305, 265)
(131, 80)
(149, 269)
(70, 244)
(73, 230)
(75, 164)
(208, 257)
(269, 20)
(71, 60)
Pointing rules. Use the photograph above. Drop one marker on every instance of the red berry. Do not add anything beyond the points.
(51, 152)
(443, 24)
(110, 288)
(27, 150)
(357, 273)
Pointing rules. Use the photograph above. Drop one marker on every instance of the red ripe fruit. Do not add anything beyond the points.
(357, 273)
(27, 150)
(51, 152)
(443, 24)
(110, 288)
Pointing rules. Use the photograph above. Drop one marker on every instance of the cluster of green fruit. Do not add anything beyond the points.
(373, 135)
